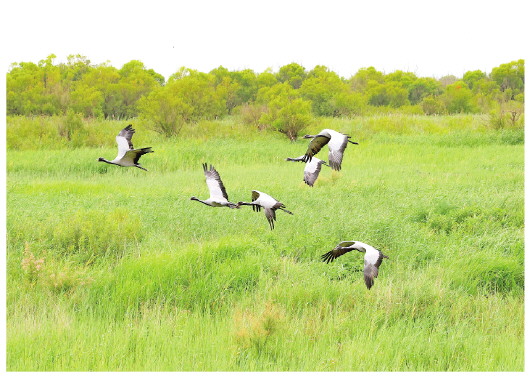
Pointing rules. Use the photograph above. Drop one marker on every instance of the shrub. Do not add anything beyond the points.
(72, 129)
(508, 114)
(251, 115)
(88, 235)
(288, 116)
(254, 331)
(432, 105)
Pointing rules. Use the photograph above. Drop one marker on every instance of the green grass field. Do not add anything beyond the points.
(115, 269)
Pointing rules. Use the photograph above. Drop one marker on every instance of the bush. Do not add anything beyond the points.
(88, 235)
(432, 106)
(251, 115)
(72, 129)
(287, 116)
(510, 114)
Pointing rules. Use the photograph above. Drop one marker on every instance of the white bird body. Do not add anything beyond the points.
(372, 258)
(337, 143)
(127, 156)
(218, 196)
(264, 200)
(269, 204)
(311, 169)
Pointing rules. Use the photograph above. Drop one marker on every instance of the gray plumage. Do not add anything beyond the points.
(311, 169)
(269, 204)
(337, 143)
(218, 196)
(127, 156)
(372, 258)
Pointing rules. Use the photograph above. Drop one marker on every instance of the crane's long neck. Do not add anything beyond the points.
(246, 203)
(196, 199)
(106, 161)
(255, 206)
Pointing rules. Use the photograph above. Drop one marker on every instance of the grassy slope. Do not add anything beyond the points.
(188, 287)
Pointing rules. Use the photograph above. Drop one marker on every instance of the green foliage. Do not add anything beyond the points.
(507, 115)
(458, 98)
(389, 94)
(366, 77)
(251, 115)
(91, 90)
(322, 87)
(423, 87)
(432, 105)
(472, 77)
(286, 112)
(102, 91)
(71, 127)
(348, 104)
(164, 112)
(89, 235)
(292, 74)
(510, 77)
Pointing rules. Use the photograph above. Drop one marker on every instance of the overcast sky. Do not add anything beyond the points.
(429, 38)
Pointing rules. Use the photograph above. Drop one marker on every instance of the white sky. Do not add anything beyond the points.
(429, 38)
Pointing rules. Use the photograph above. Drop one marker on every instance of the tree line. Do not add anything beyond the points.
(286, 100)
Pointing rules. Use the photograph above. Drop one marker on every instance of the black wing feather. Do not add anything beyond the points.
(315, 146)
(127, 133)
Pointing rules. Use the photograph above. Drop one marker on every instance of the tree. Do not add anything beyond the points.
(239, 87)
(198, 91)
(135, 82)
(75, 68)
(348, 104)
(104, 79)
(448, 80)
(322, 87)
(86, 100)
(293, 74)
(35, 88)
(388, 94)
(401, 78)
(289, 117)
(266, 94)
(458, 98)
(286, 111)
(164, 112)
(23, 89)
(510, 76)
(472, 77)
(266, 79)
(432, 105)
(423, 87)
(360, 81)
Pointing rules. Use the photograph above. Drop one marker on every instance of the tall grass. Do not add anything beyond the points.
(114, 269)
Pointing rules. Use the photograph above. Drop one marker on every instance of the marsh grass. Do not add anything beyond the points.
(112, 269)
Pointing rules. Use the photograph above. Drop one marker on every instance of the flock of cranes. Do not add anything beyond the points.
(337, 142)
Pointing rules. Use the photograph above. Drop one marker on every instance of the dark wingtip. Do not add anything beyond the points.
(327, 257)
